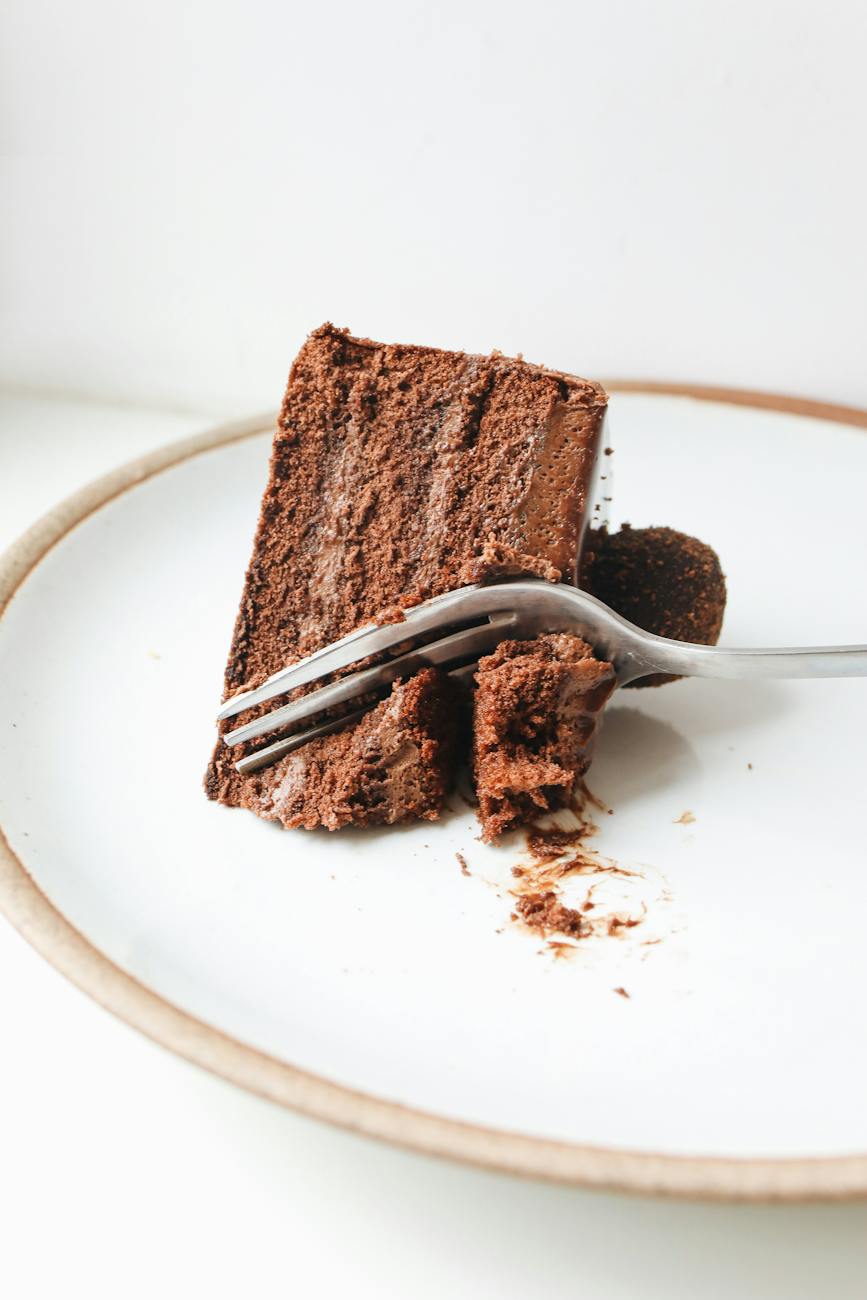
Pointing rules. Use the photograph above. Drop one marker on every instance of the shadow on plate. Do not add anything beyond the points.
(701, 707)
(636, 754)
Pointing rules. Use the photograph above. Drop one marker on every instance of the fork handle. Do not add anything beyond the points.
(656, 654)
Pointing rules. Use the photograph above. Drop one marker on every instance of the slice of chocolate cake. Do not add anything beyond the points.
(537, 706)
(397, 473)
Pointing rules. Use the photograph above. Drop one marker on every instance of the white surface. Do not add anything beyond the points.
(670, 189)
(125, 1168)
(328, 951)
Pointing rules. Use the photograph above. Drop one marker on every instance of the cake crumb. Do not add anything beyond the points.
(543, 911)
(750, 767)
(685, 819)
(549, 842)
(621, 991)
(493, 561)
(558, 948)
(462, 863)
(617, 924)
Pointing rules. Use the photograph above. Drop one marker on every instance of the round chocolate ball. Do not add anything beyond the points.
(663, 581)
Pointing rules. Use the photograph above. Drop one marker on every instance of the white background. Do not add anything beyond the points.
(671, 190)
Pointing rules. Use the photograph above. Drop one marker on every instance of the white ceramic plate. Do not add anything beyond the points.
(363, 977)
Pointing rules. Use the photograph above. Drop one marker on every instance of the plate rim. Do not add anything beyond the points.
(31, 912)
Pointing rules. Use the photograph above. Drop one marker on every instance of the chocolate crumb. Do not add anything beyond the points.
(559, 948)
(492, 562)
(618, 923)
(622, 992)
(547, 842)
(543, 912)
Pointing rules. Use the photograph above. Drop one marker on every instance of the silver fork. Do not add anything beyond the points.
(473, 620)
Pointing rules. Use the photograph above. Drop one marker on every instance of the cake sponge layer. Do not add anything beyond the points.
(537, 709)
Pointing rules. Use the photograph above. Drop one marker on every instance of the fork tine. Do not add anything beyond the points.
(469, 643)
(270, 754)
(369, 640)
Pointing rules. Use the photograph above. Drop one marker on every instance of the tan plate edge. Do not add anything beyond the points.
(32, 913)
(745, 397)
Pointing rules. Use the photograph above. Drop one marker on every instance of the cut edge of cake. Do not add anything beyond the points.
(535, 716)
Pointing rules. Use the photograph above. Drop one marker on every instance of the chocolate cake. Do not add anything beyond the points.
(537, 706)
(397, 473)
(663, 581)
(395, 763)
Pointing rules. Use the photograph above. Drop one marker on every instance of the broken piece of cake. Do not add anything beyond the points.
(398, 473)
(536, 711)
